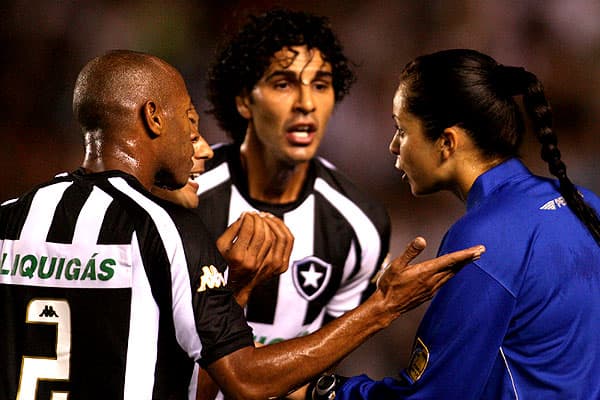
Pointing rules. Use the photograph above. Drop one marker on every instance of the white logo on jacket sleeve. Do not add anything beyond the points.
(311, 276)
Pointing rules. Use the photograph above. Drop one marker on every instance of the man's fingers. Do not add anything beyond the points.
(413, 249)
(456, 260)
(232, 231)
(283, 242)
(263, 242)
(247, 231)
(225, 240)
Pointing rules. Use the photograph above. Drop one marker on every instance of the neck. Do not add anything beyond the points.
(105, 155)
(470, 173)
(270, 180)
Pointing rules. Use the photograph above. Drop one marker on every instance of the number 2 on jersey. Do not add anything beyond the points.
(33, 369)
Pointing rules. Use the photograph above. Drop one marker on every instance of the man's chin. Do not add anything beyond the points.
(185, 196)
(171, 185)
(300, 155)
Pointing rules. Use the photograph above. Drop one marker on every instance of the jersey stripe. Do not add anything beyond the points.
(143, 333)
(41, 212)
(185, 328)
(365, 231)
(299, 220)
(66, 214)
(87, 228)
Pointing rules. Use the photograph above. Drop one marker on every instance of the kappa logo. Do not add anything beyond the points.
(211, 278)
(48, 312)
(311, 276)
(554, 204)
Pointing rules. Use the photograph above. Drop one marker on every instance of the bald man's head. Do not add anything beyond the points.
(111, 89)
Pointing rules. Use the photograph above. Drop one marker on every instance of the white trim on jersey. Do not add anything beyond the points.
(512, 380)
(9, 201)
(367, 235)
(143, 332)
(327, 163)
(212, 178)
(183, 314)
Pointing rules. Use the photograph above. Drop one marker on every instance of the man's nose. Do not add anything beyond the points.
(304, 102)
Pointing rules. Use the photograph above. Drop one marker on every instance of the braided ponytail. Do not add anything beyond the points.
(540, 112)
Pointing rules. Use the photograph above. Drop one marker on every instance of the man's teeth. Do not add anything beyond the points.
(303, 134)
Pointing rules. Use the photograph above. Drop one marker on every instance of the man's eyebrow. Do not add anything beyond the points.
(293, 76)
(282, 73)
(323, 74)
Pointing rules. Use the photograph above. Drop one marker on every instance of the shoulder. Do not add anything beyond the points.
(336, 187)
(188, 222)
(591, 198)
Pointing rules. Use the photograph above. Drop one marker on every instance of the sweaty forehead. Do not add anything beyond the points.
(298, 59)
(398, 102)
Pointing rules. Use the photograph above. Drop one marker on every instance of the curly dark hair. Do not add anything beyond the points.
(243, 59)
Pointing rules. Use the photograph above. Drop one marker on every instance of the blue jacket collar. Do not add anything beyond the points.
(490, 180)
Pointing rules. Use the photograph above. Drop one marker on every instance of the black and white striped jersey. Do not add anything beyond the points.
(107, 292)
(341, 239)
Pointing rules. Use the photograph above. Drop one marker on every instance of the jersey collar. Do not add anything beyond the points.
(488, 182)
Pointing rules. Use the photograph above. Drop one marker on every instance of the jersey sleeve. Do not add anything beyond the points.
(219, 319)
(458, 344)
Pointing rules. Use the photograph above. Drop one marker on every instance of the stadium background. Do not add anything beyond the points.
(45, 43)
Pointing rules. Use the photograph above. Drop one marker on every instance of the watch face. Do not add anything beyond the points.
(325, 384)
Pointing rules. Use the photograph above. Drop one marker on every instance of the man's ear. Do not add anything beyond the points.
(242, 103)
(152, 117)
(448, 141)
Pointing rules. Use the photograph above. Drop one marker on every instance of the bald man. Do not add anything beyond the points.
(108, 292)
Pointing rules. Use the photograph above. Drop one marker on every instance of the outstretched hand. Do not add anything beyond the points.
(405, 286)
(257, 247)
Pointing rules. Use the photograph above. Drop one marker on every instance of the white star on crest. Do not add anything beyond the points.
(311, 277)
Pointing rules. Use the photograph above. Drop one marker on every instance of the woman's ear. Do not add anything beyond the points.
(152, 117)
(448, 141)
(242, 103)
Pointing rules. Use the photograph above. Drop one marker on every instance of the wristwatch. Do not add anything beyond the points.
(326, 386)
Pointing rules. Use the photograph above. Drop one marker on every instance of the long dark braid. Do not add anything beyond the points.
(540, 112)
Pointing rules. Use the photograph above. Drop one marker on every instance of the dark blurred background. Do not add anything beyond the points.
(45, 44)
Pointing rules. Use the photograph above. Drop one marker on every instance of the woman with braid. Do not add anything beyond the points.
(523, 321)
